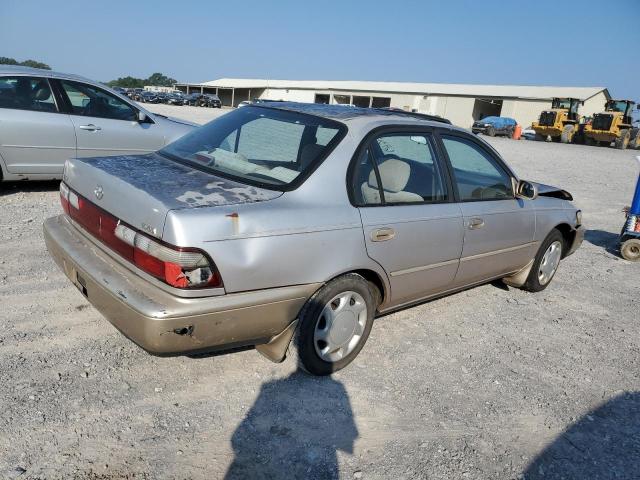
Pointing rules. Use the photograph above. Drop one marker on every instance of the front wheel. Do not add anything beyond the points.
(545, 263)
(334, 325)
(567, 134)
(622, 142)
(491, 132)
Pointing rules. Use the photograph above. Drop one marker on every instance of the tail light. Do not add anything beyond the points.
(176, 266)
(64, 197)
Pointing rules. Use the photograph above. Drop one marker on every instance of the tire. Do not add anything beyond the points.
(622, 142)
(630, 250)
(635, 139)
(567, 134)
(491, 132)
(536, 281)
(347, 295)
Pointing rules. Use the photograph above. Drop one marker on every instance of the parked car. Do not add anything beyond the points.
(174, 98)
(493, 126)
(244, 103)
(47, 117)
(294, 229)
(192, 99)
(529, 133)
(134, 93)
(148, 97)
(210, 100)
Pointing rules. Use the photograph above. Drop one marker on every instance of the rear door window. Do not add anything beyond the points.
(401, 168)
(26, 93)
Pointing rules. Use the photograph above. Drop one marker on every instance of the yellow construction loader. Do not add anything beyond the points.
(613, 125)
(561, 123)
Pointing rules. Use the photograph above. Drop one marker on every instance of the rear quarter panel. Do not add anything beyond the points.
(275, 243)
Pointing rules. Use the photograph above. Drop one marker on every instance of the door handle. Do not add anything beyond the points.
(91, 127)
(475, 223)
(382, 234)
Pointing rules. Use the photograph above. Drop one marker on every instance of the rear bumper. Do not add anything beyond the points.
(162, 323)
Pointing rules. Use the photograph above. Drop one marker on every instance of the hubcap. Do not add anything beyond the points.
(340, 326)
(550, 262)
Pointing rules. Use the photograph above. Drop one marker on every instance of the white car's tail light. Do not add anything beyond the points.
(176, 266)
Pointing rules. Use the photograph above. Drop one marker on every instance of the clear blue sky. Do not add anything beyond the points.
(543, 42)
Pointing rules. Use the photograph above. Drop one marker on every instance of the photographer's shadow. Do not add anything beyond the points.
(294, 430)
(604, 444)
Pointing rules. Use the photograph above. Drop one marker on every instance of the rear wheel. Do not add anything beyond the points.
(334, 325)
(630, 250)
(491, 132)
(546, 262)
(622, 142)
(567, 134)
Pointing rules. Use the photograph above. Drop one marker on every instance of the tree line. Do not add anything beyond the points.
(158, 79)
(26, 63)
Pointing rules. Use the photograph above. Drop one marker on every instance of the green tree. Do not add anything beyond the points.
(8, 61)
(157, 79)
(35, 64)
(160, 80)
(26, 63)
(128, 82)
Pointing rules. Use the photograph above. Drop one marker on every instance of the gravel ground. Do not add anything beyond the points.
(492, 382)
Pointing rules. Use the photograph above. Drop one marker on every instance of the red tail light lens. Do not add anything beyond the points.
(176, 266)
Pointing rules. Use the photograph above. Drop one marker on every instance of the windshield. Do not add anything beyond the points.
(616, 106)
(261, 146)
(561, 103)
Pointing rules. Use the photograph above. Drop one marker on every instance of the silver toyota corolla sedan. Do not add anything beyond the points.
(47, 117)
(298, 221)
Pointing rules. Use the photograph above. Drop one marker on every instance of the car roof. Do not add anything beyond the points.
(349, 114)
(20, 70)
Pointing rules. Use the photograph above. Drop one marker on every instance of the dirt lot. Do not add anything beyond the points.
(489, 383)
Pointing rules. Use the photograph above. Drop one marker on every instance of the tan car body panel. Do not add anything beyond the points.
(160, 322)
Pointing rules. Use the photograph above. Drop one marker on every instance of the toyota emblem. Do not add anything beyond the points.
(99, 192)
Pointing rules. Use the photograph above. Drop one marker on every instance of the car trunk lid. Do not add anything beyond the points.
(141, 189)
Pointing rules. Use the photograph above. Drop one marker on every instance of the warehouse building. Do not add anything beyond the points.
(462, 104)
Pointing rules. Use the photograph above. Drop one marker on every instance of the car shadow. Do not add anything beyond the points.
(606, 240)
(294, 430)
(604, 444)
(9, 188)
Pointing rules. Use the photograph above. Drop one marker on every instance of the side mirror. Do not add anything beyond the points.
(526, 190)
(142, 117)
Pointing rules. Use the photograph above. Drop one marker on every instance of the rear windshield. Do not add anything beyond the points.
(260, 146)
